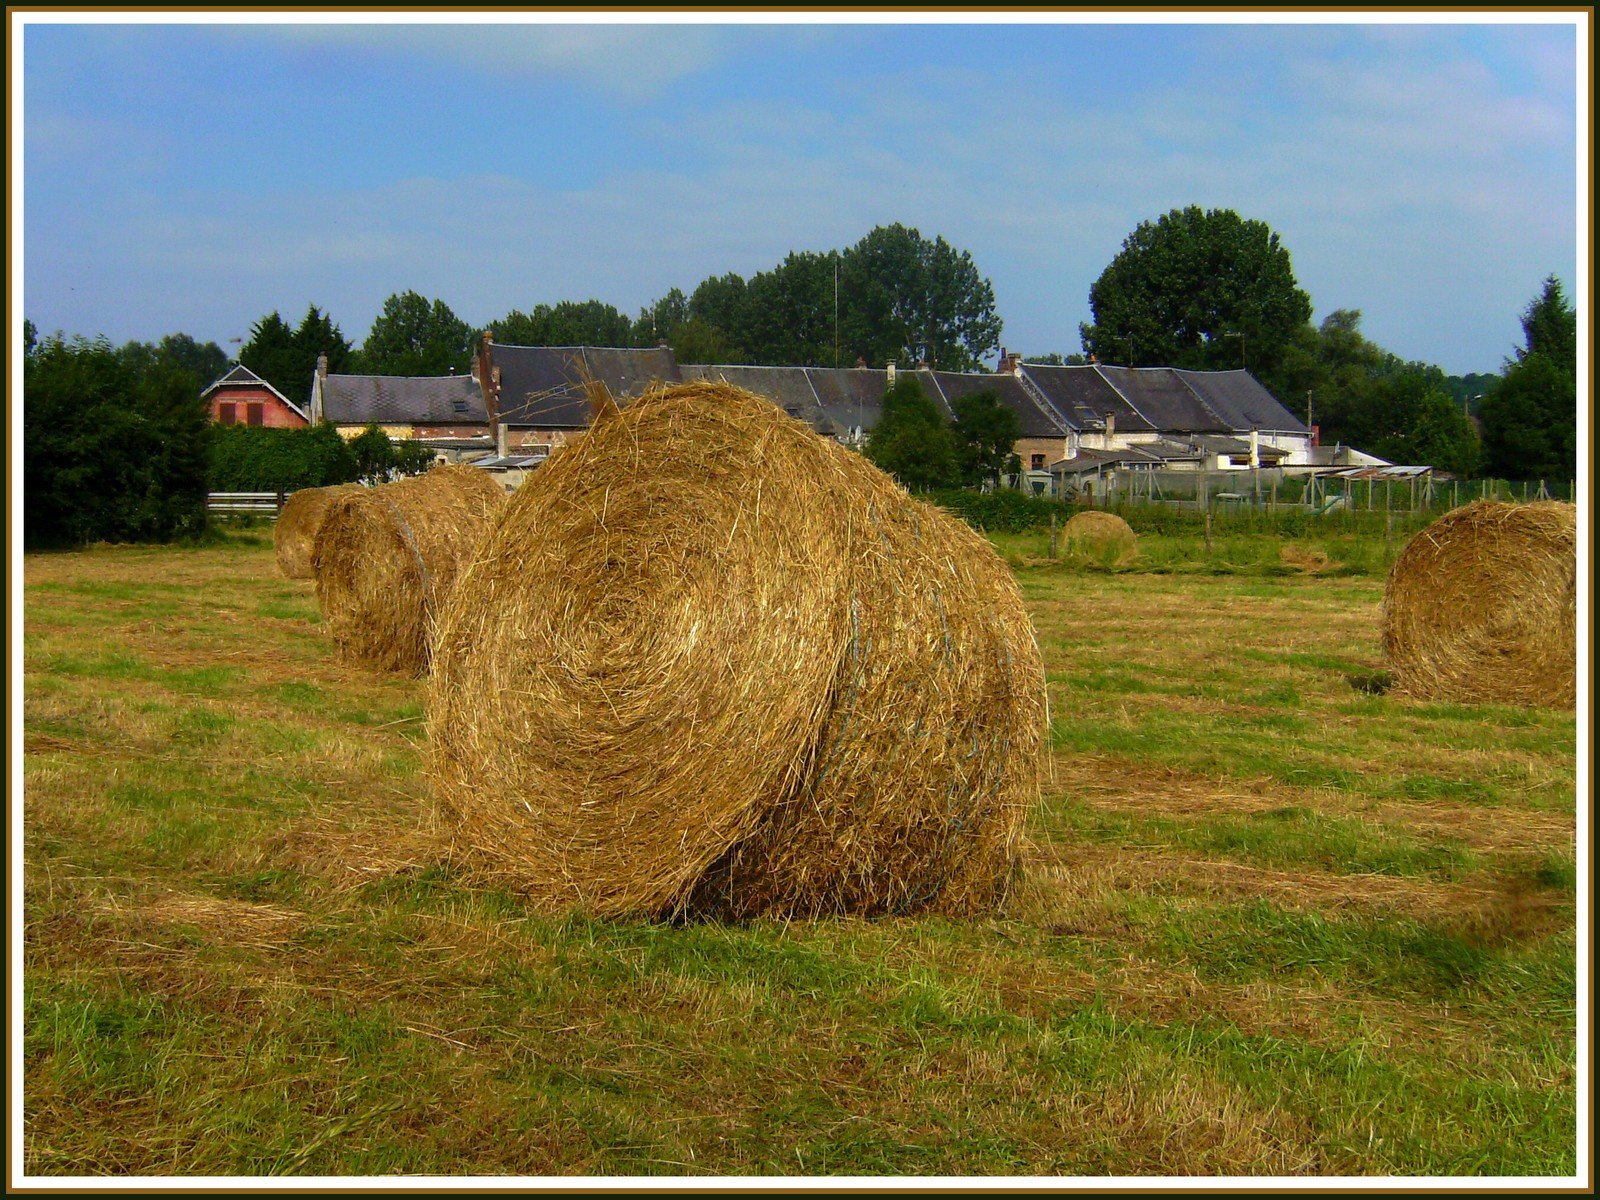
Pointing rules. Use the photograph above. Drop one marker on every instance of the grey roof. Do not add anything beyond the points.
(1036, 420)
(1217, 444)
(787, 387)
(852, 397)
(543, 385)
(1162, 398)
(402, 399)
(1083, 397)
(1241, 401)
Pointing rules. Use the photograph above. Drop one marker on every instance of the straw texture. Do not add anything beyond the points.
(386, 558)
(296, 530)
(1102, 535)
(1482, 606)
(712, 663)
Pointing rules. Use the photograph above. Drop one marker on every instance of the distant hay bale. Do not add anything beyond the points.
(1482, 606)
(1309, 559)
(711, 663)
(297, 525)
(1101, 535)
(387, 557)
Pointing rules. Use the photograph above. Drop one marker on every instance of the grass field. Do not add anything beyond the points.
(1274, 921)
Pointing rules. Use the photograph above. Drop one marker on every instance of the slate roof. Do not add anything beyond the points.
(542, 386)
(1242, 402)
(1083, 398)
(1036, 420)
(1161, 397)
(787, 387)
(852, 397)
(402, 400)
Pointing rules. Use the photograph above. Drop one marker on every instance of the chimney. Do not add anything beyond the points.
(502, 440)
(1316, 435)
(1255, 448)
(1010, 364)
(891, 375)
(1111, 428)
(322, 366)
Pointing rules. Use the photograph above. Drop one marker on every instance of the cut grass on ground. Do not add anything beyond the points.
(1272, 922)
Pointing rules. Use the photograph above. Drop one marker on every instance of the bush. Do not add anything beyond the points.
(112, 451)
(1003, 511)
(254, 458)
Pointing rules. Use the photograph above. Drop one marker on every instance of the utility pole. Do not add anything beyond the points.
(835, 312)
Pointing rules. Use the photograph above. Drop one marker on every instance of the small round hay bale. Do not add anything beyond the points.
(387, 557)
(711, 663)
(296, 530)
(1101, 535)
(1481, 606)
(1311, 559)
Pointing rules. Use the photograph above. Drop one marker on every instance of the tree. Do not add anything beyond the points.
(912, 441)
(1055, 359)
(788, 319)
(1530, 421)
(287, 358)
(1415, 421)
(415, 336)
(111, 452)
(569, 323)
(908, 300)
(661, 321)
(1202, 289)
(986, 431)
(1550, 327)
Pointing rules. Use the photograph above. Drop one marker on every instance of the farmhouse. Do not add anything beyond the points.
(241, 397)
(444, 412)
(520, 403)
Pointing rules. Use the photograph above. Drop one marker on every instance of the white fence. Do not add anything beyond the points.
(267, 504)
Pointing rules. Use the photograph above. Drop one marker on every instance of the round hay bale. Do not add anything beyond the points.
(1101, 535)
(1481, 606)
(387, 557)
(298, 522)
(1310, 559)
(711, 663)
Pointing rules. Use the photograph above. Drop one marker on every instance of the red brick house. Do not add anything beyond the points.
(241, 397)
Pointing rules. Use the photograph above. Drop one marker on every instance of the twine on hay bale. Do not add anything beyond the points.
(387, 557)
(711, 663)
(1101, 535)
(1482, 606)
(295, 532)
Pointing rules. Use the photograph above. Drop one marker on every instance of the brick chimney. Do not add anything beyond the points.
(1010, 364)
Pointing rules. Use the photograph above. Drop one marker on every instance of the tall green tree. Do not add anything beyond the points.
(986, 434)
(907, 299)
(1530, 421)
(287, 357)
(660, 322)
(416, 336)
(912, 440)
(111, 452)
(1199, 288)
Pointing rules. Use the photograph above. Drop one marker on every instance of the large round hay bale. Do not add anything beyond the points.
(387, 557)
(1482, 606)
(298, 521)
(712, 663)
(1102, 536)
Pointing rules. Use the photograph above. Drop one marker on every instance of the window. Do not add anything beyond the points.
(225, 414)
(1038, 463)
(253, 414)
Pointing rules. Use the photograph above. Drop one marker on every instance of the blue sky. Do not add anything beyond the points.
(193, 177)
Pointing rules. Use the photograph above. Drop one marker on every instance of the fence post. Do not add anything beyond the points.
(1455, 485)
(1388, 525)
(1052, 535)
(1206, 481)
